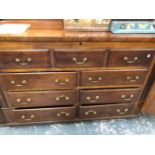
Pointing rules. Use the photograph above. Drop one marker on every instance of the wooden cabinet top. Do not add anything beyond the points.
(52, 30)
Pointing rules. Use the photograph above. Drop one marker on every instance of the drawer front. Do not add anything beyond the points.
(79, 58)
(90, 97)
(113, 78)
(129, 58)
(41, 98)
(46, 114)
(111, 110)
(21, 59)
(39, 81)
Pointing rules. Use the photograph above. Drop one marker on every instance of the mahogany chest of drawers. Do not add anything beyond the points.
(73, 76)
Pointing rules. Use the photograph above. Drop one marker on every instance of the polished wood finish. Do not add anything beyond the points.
(48, 74)
(149, 106)
(42, 98)
(15, 59)
(113, 78)
(129, 58)
(74, 58)
(42, 81)
(104, 96)
(103, 111)
(44, 114)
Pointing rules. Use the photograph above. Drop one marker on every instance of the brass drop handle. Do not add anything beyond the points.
(132, 79)
(124, 97)
(26, 118)
(62, 96)
(27, 62)
(28, 100)
(130, 61)
(79, 62)
(122, 112)
(90, 100)
(95, 81)
(23, 82)
(61, 82)
(62, 113)
(90, 112)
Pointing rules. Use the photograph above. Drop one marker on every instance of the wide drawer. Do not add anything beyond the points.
(42, 98)
(111, 78)
(129, 58)
(39, 81)
(111, 110)
(75, 58)
(44, 114)
(104, 96)
(23, 59)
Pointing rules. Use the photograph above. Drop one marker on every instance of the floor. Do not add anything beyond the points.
(141, 126)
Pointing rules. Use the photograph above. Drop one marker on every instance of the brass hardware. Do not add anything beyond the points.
(91, 112)
(95, 81)
(122, 112)
(27, 62)
(79, 62)
(23, 102)
(62, 113)
(62, 96)
(130, 61)
(60, 82)
(27, 119)
(127, 99)
(148, 56)
(18, 85)
(132, 79)
(89, 99)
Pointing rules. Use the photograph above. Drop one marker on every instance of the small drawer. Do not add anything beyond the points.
(112, 110)
(110, 78)
(42, 98)
(24, 59)
(39, 81)
(120, 58)
(76, 58)
(44, 114)
(104, 96)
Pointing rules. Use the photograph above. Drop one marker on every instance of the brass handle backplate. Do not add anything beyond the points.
(122, 112)
(90, 100)
(91, 112)
(132, 79)
(95, 81)
(20, 84)
(62, 113)
(62, 82)
(126, 59)
(23, 101)
(63, 97)
(28, 118)
(124, 97)
(80, 62)
(27, 62)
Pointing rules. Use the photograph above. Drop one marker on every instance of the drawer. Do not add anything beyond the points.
(39, 81)
(21, 59)
(42, 98)
(129, 58)
(110, 78)
(104, 96)
(44, 114)
(75, 58)
(112, 110)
